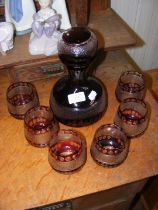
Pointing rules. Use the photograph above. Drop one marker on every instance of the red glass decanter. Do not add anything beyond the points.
(78, 99)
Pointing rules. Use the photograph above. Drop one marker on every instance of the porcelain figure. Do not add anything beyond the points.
(60, 7)
(20, 13)
(45, 30)
(6, 37)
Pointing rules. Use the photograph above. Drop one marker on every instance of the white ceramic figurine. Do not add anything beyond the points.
(45, 30)
(20, 13)
(61, 9)
(6, 37)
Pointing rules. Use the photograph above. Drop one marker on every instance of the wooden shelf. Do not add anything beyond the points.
(19, 55)
(112, 34)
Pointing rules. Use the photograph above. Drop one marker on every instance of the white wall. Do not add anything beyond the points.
(142, 17)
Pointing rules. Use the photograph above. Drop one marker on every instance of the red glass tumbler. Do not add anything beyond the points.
(110, 146)
(67, 151)
(21, 96)
(131, 84)
(133, 116)
(40, 126)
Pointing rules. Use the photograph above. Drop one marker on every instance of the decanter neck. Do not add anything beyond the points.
(77, 75)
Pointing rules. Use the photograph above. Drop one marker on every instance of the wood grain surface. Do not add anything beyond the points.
(27, 180)
(82, 9)
(94, 5)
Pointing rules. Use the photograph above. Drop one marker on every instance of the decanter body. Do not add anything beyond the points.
(78, 99)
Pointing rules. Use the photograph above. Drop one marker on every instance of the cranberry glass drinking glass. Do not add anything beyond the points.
(40, 126)
(110, 146)
(130, 85)
(21, 96)
(67, 151)
(132, 116)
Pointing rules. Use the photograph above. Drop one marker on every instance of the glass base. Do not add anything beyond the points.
(71, 171)
(37, 145)
(18, 116)
(108, 165)
(80, 122)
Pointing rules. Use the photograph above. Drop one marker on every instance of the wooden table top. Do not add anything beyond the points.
(27, 180)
